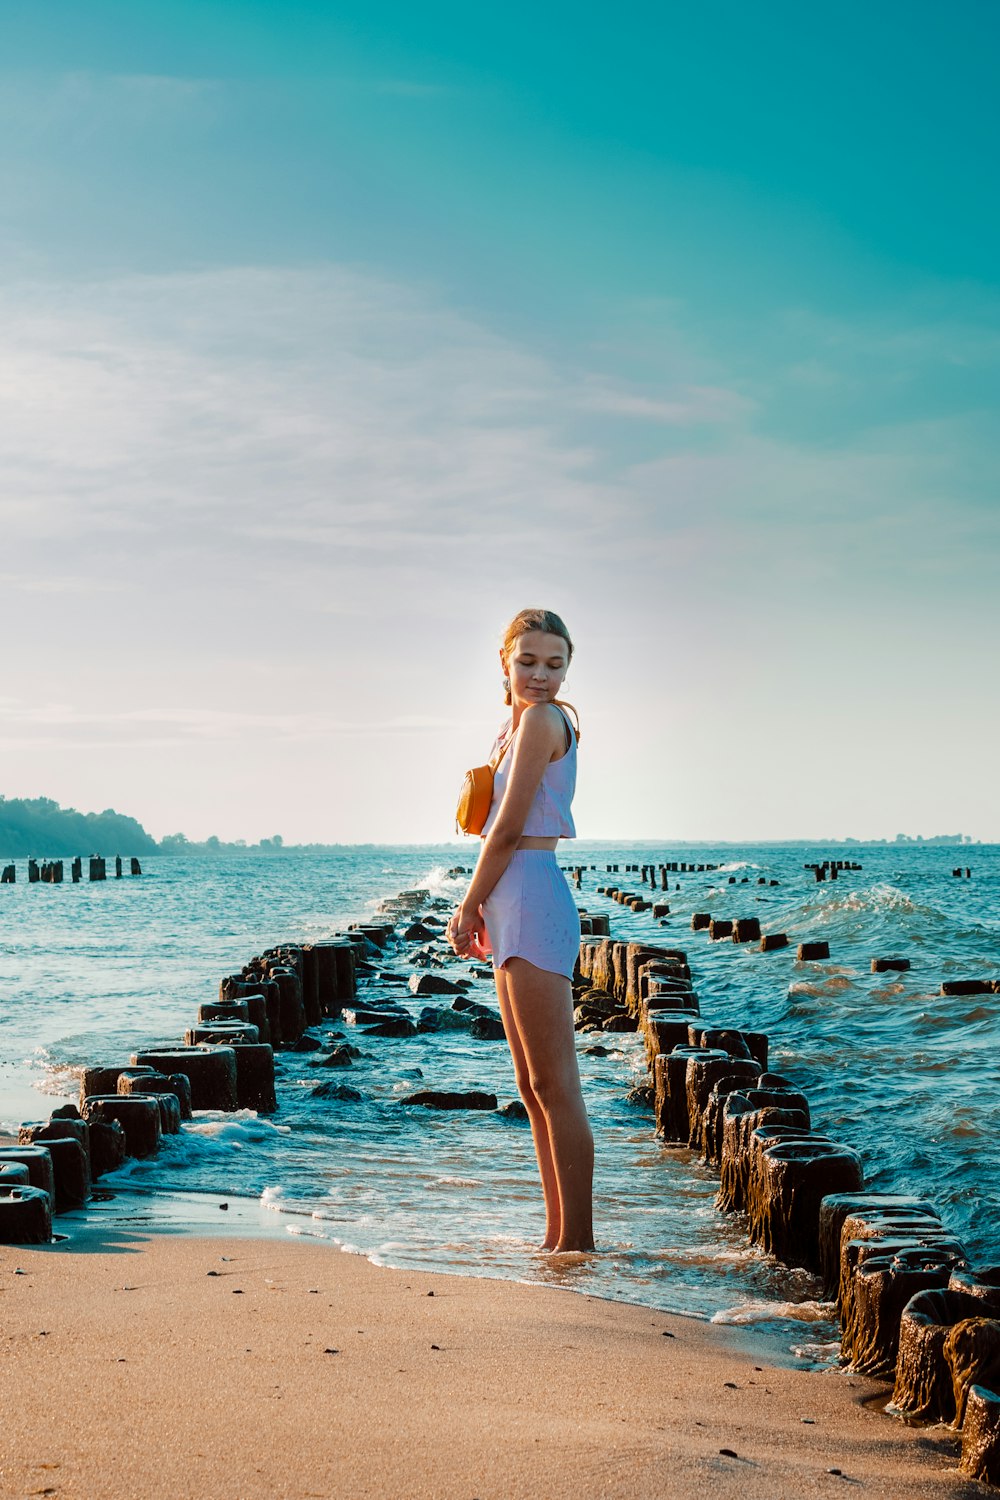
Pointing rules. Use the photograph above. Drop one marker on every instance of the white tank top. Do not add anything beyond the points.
(549, 815)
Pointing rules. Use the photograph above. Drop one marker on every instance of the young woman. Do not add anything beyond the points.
(519, 905)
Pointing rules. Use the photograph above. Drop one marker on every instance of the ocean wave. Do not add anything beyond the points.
(763, 1311)
(441, 882)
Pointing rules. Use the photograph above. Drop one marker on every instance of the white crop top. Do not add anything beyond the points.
(549, 815)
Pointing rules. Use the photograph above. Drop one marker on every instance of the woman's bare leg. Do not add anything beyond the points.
(540, 1009)
(536, 1117)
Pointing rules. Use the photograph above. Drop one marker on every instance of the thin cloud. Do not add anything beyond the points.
(69, 724)
(691, 406)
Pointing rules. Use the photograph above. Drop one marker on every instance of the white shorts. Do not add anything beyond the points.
(530, 913)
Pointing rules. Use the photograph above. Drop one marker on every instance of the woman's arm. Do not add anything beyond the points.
(540, 734)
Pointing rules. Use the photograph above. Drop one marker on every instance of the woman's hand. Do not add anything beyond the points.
(466, 931)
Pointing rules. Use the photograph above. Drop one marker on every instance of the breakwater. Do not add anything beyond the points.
(53, 871)
(912, 1306)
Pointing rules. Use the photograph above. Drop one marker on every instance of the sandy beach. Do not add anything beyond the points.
(192, 1367)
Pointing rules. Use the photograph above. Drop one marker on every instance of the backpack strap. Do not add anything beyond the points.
(494, 763)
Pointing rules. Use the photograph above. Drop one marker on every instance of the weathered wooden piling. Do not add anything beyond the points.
(924, 1387)
(817, 950)
(25, 1215)
(231, 1032)
(836, 1208)
(137, 1114)
(793, 1177)
(98, 868)
(701, 1075)
(886, 1275)
(107, 1147)
(662, 1031)
(981, 1435)
(673, 1123)
(210, 1070)
(733, 1040)
(743, 1128)
(254, 1064)
(176, 1084)
(293, 1014)
(37, 1159)
(70, 1162)
(967, 987)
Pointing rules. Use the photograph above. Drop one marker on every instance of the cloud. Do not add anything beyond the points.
(690, 406)
(266, 523)
(26, 722)
(315, 406)
(331, 437)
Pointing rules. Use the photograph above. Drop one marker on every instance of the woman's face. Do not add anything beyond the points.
(536, 667)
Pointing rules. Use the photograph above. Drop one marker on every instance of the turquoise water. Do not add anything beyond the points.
(907, 1077)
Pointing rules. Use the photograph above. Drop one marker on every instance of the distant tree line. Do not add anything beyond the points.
(179, 843)
(39, 827)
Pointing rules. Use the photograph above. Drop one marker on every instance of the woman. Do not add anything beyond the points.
(519, 905)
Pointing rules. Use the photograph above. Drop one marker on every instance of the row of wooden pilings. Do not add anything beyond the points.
(225, 1062)
(911, 1307)
(744, 930)
(52, 871)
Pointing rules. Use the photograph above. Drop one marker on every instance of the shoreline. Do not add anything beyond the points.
(116, 1213)
(188, 1366)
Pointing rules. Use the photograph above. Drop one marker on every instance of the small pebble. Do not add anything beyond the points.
(213, 1273)
(223, 1206)
(668, 1335)
(809, 1421)
(237, 1291)
(325, 1351)
(728, 1453)
(729, 1385)
(436, 1346)
(835, 1471)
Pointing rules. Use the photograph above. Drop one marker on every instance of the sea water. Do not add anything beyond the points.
(892, 1068)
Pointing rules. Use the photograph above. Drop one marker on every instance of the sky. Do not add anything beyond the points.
(332, 335)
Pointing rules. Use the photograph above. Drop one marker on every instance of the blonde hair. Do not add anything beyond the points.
(534, 619)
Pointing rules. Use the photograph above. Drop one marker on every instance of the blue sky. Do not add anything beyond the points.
(335, 334)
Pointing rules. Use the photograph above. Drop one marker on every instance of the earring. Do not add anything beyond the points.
(506, 684)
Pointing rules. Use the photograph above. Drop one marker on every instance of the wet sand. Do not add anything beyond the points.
(204, 1369)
